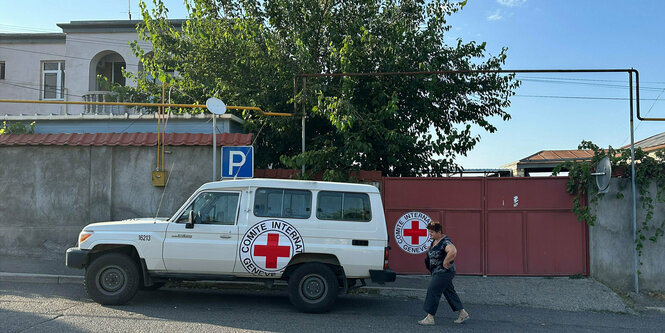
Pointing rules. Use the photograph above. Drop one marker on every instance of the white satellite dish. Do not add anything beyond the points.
(216, 106)
(603, 174)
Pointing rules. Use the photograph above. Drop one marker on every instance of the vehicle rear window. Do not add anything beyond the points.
(278, 202)
(343, 206)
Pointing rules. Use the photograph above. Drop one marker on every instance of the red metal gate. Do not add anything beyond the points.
(500, 226)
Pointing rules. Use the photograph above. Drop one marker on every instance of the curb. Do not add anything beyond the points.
(73, 279)
(63, 279)
(40, 278)
(656, 308)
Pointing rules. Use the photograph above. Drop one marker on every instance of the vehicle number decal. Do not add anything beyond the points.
(145, 238)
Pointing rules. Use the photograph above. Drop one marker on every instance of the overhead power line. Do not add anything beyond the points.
(31, 88)
(581, 79)
(54, 54)
(584, 97)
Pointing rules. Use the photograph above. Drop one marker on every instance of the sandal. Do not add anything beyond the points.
(462, 319)
(426, 321)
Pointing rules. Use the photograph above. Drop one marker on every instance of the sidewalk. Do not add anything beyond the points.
(558, 293)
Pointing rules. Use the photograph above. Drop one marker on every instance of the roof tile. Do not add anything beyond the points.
(123, 139)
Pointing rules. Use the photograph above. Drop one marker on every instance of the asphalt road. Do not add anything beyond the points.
(31, 307)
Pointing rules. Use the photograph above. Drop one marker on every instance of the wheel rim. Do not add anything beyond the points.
(111, 280)
(313, 287)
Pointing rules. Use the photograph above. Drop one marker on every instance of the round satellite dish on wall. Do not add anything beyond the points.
(216, 106)
(603, 174)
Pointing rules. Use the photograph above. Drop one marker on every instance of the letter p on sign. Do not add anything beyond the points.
(237, 162)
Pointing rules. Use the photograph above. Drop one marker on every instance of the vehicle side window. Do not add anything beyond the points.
(277, 202)
(213, 208)
(343, 206)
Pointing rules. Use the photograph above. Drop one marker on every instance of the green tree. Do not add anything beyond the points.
(17, 128)
(248, 52)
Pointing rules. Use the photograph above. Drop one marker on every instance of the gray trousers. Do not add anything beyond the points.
(442, 283)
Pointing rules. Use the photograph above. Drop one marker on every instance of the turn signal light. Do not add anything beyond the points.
(84, 236)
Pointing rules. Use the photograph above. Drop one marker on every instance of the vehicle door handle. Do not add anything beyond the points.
(224, 236)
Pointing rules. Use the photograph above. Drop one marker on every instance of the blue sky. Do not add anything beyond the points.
(539, 34)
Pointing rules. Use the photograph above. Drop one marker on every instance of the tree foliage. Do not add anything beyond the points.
(17, 128)
(248, 53)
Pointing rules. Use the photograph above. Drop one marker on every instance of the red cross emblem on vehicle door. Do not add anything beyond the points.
(415, 232)
(272, 250)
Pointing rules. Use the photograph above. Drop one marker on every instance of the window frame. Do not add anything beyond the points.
(60, 80)
(183, 216)
(3, 69)
(343, 193)
(283, 189)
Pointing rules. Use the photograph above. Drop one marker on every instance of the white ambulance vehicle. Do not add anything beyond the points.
(321, 237)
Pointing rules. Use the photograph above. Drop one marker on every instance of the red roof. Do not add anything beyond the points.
(559, 155)
(123, 139)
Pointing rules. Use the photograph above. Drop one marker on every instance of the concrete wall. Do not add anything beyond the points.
(48, 193)
(611, 242)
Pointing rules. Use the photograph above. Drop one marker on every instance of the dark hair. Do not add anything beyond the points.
(435, 226)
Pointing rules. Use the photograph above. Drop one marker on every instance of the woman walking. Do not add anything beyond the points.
(440, 261)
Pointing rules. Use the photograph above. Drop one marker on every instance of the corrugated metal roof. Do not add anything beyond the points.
(123, 139)
(558, 155)
(654, 142)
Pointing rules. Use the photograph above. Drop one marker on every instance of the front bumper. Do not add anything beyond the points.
(382, 276)
(76, 258)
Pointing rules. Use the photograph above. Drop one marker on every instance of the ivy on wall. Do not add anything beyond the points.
(648, 169)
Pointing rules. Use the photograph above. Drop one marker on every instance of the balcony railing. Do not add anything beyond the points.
(104, 96)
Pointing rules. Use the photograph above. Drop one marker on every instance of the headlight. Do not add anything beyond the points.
(83, 236)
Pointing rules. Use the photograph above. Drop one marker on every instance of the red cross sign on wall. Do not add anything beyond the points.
(415, 232)
(272, 250)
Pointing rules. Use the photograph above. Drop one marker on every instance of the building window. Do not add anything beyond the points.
(2, 70)
(53, 80)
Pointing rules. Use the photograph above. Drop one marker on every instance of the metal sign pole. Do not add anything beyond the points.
(632, 182)
(214, 146)
(215, 106)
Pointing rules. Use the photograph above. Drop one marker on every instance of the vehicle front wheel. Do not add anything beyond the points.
(112, 279)
(313, 288)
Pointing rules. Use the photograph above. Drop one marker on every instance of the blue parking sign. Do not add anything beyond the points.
(237, 162)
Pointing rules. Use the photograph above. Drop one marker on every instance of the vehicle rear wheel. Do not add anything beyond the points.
(112, 279)
(313, 288)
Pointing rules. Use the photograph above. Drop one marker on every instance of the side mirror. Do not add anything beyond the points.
(190, 220)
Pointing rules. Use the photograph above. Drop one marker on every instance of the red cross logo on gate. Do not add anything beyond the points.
(272, 250)
(415, 232)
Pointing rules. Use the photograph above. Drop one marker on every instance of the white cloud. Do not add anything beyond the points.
(511, 3)
(496, 16)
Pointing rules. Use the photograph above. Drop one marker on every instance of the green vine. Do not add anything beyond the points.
(648, 169)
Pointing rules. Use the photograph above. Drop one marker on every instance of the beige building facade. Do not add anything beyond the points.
(65, 66)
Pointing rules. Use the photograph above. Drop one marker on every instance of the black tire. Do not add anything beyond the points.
(155, 286)
(112, 279)
(313, 288)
